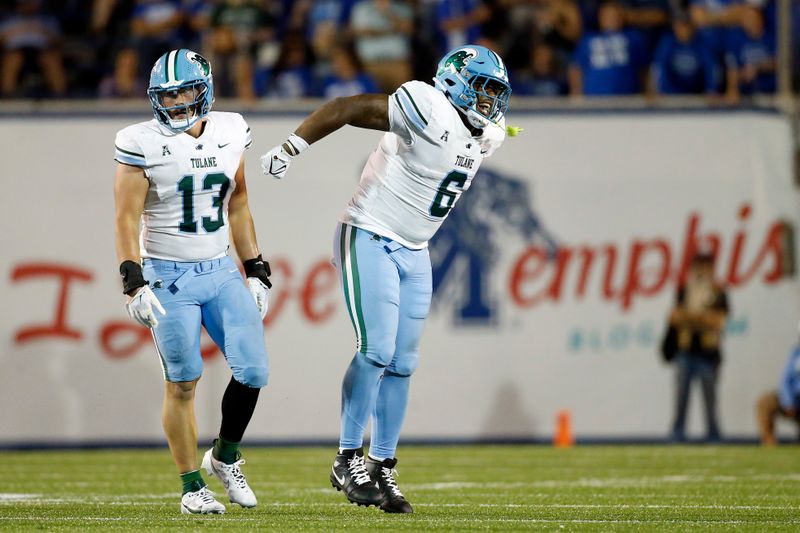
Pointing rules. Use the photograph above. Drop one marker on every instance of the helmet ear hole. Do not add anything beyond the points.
(450, 82)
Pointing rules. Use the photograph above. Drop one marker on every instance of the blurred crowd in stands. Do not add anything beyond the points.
(287, 49)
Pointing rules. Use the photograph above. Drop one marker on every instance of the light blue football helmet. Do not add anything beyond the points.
(464, 74)
(180, 70)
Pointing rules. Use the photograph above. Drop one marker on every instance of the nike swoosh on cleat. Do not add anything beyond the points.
(222, 145)
(341, 481)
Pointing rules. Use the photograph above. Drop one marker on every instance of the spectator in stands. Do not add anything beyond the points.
(558, 24)
(326, 26)
(589, 14)
(795, 66)
(426, 39)
(544, 77)
(682, 63)
(322, 11)
(459, 22)
(198, 23)
(155, 27)
(292, 77)
(101, 15)
(382, 30)
(784, 402)
(712, 18)
(108, 32)
(29, 36)
(699, 316)
(769, 8)
(347, 77)
(498, 31)
(611, 61)
(650, 18)
(750, 56)
(124, 81)
(239, 28)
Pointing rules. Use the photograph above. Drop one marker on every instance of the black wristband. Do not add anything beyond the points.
(258, 268)
(132, 277)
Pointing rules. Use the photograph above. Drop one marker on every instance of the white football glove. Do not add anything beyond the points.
(260, 294)
(140, 307)
(276, 162)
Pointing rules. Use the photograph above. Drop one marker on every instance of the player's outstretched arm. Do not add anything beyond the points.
(370, 111)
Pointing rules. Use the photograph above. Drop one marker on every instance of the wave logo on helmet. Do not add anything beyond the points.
(201, 61)
(459, 60)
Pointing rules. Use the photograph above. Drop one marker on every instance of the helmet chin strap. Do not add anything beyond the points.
(183, 124)
(475, 118)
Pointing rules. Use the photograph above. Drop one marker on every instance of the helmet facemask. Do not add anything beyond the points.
(487, 97)
(170, 102)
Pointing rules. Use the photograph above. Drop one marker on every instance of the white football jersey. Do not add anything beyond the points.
(422, 165)
(191, 181)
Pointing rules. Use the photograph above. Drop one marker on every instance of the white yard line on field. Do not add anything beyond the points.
(423, 520)
(17, 497)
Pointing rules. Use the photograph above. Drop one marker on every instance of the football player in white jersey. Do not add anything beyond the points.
(182, 176)
(437, 137)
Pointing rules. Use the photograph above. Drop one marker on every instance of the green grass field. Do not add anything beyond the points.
(464, 488)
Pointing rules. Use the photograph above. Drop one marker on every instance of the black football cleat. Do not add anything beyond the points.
(349, 475)
(383, 472)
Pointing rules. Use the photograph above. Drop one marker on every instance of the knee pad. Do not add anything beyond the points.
(379, 354)
(188, 371)
(247, 357)
(404, 365)
(254, 377)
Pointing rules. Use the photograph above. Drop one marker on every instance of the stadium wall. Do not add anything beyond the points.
(554, 276)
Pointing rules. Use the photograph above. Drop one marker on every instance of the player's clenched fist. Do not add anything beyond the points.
(276, 162)
(140, 307)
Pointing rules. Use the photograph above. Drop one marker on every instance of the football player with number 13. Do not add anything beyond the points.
(182, 175)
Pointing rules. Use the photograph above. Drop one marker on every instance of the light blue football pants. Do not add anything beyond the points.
(387, 290)
(212, 294)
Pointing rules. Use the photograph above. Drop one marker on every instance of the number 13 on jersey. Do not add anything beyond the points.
(187, 187)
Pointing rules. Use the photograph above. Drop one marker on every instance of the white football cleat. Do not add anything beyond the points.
(201, 502)
(232, 478)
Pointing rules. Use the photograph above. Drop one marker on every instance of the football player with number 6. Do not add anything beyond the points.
(437, 137)
(181, 175)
